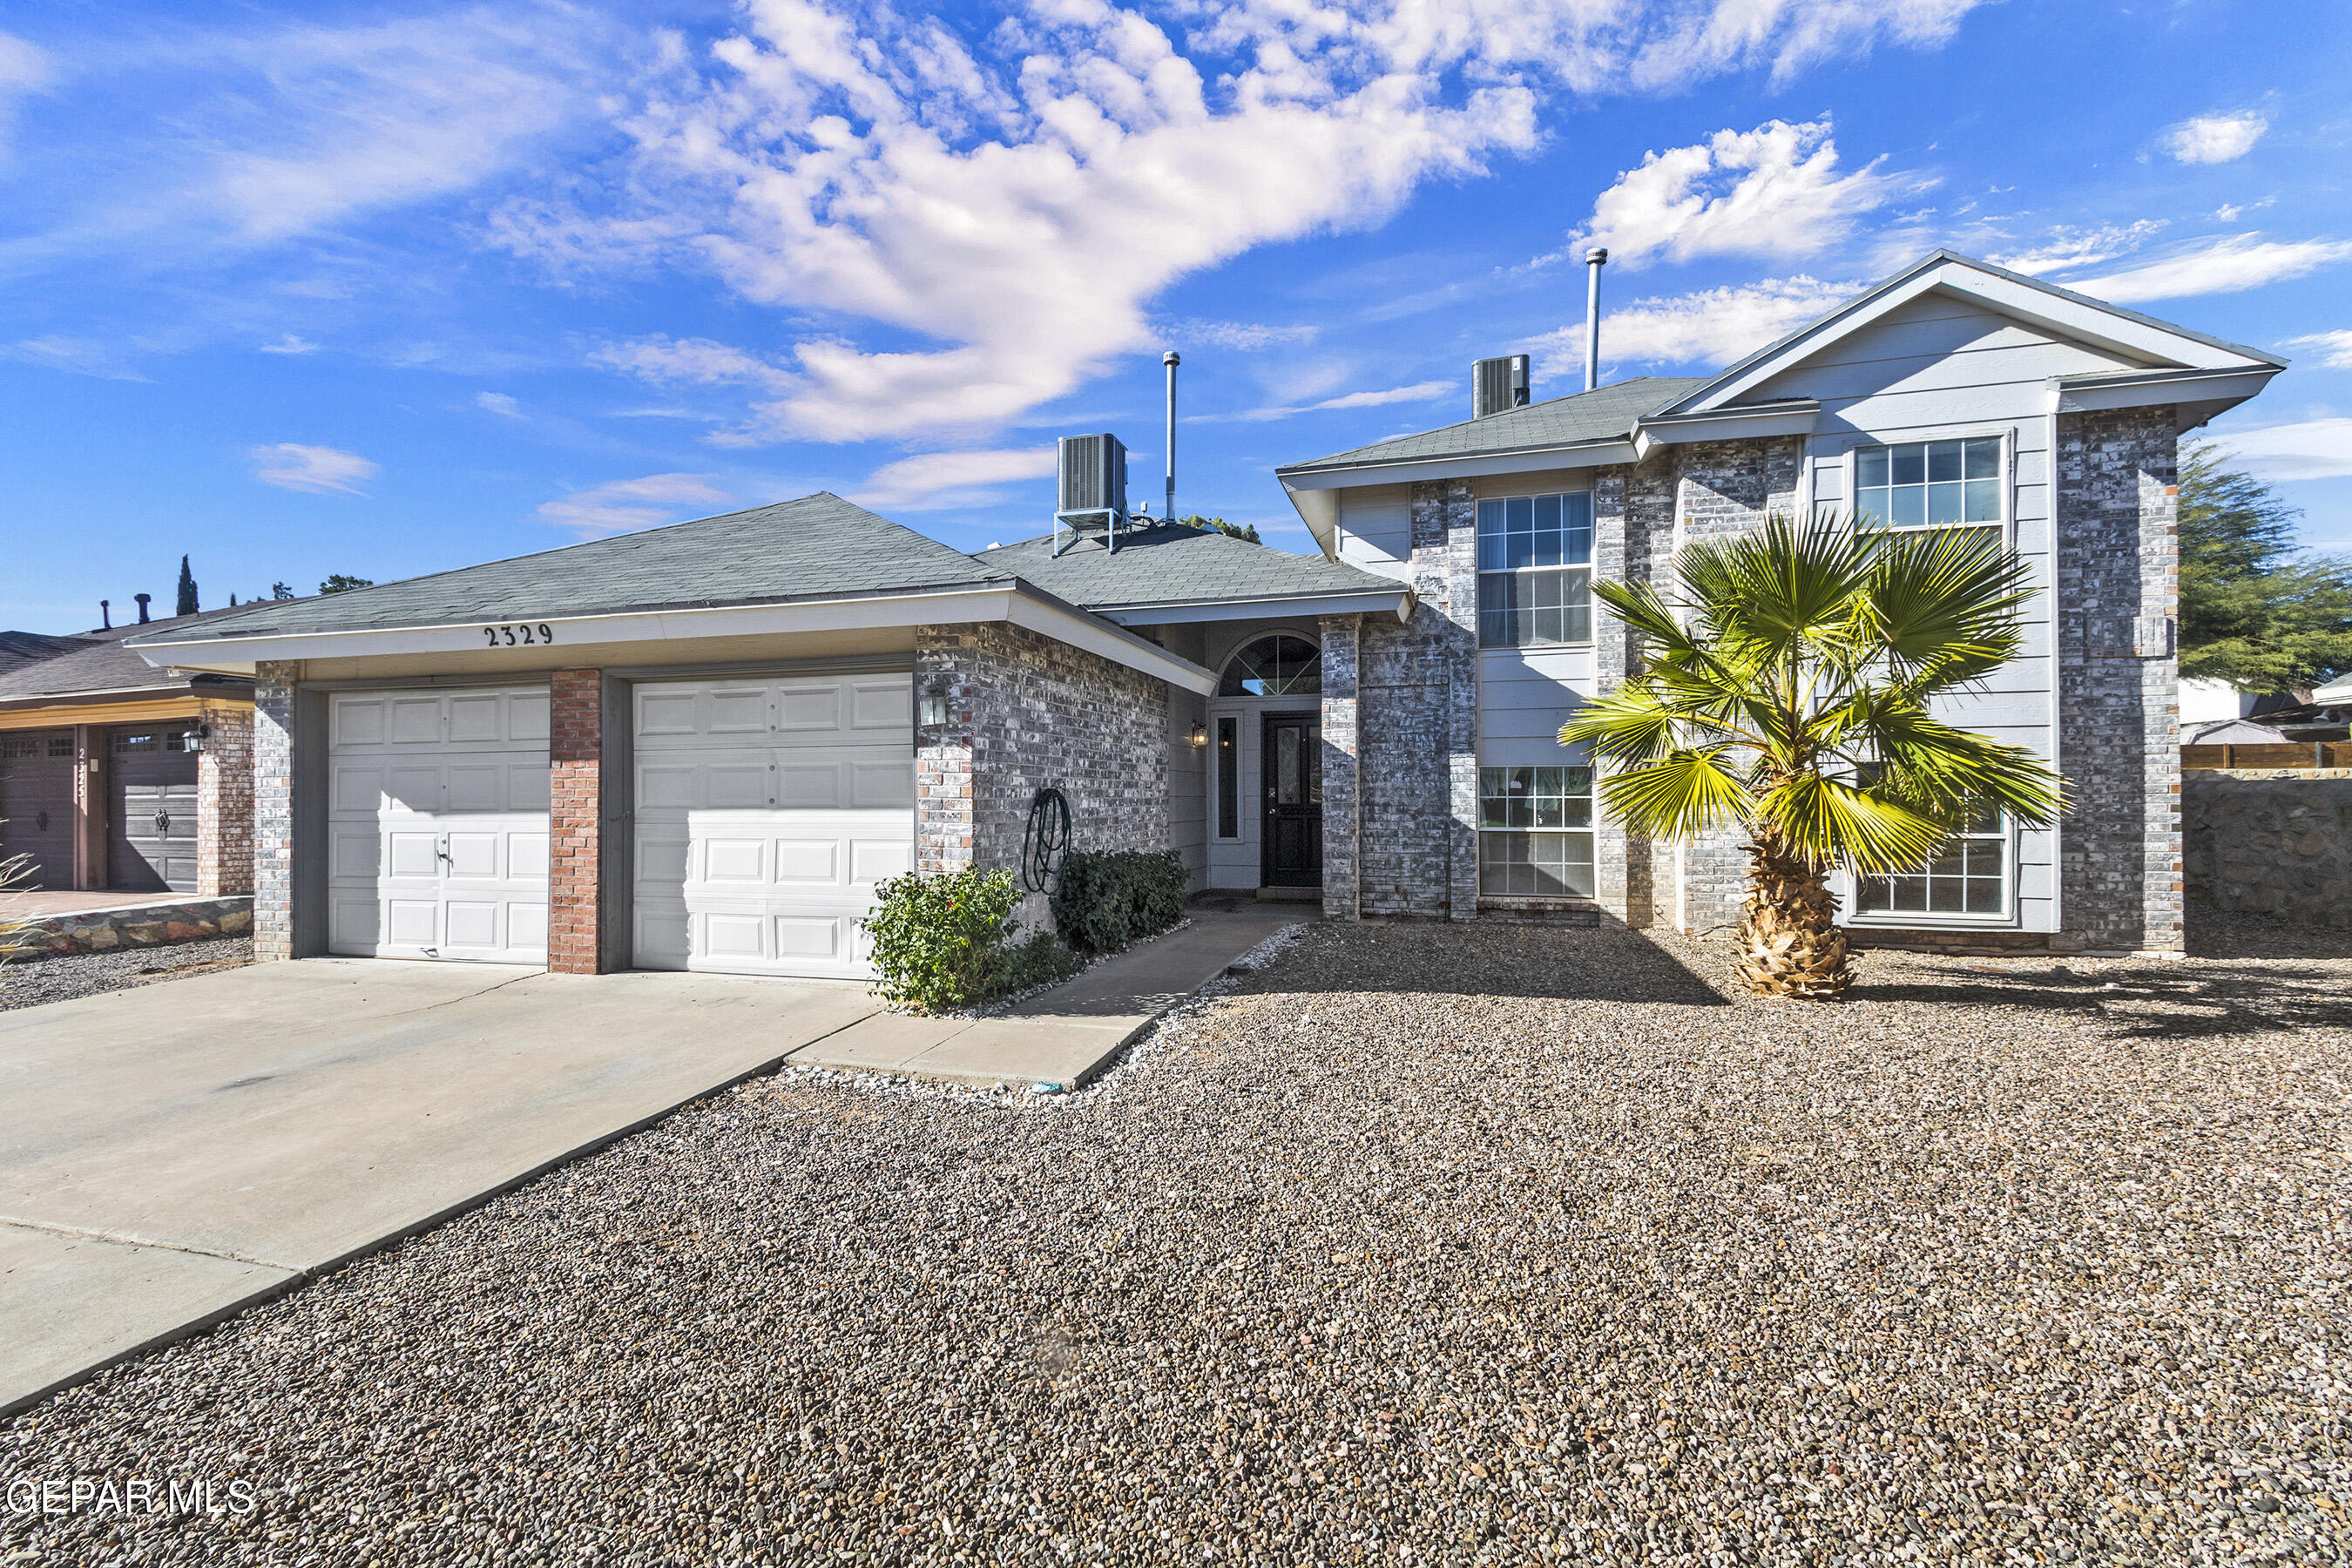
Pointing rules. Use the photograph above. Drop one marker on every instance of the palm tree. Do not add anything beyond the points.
(1787, 693)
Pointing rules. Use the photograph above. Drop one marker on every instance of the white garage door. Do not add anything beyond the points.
(766, 812)
(438, 818)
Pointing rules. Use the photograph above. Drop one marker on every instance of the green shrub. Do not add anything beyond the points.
(946, 941)
(1107, 899)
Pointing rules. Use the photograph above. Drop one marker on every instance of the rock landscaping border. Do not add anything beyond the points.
(136, 925)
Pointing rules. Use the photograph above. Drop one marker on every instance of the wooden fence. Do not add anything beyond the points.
(2278, 754)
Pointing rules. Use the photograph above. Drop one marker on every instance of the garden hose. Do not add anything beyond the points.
(1046, 841)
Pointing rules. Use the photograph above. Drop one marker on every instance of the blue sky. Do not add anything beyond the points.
(383, 291)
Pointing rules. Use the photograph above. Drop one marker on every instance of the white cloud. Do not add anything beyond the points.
(322, 470)
(1772, 190)
(932, 481)
(2313, 450)
(619, 506)
(2215, 138)
(2066, 247)
(25, 68)
(2224, 265)
(1419, 392)
(498, 403)
(80, 356)
(290, 345)
(1246, 337)
(698, 360)
(1708, 329)
(1012, 207)
(2334, 349)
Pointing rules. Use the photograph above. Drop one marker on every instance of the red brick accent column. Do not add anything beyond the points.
(575, 807)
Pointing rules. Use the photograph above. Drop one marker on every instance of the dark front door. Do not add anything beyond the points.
(1291, 836)
(37, 809)
(152, 830)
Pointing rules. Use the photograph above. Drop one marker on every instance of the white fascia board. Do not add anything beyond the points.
(1318, 509)
(1526, 460)
(1397, 602)
(2065, 315)
(1793, 418)
(936, 608)
(1083, 629)
(2213, 390)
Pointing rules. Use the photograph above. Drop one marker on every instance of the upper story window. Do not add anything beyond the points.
(1278, 666)
(1535, 570)
(1928, 484)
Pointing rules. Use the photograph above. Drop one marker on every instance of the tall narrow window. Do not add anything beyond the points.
(1535, 570)
(1535, 832)
(1229, 774)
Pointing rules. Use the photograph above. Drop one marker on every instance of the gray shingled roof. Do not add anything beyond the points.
(99, 661)
(1170, 564)
(1596, 415)
(819, 546)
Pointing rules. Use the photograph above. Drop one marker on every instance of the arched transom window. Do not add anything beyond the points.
(1277, 665)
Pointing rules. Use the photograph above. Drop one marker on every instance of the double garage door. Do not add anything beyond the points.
(765, 811)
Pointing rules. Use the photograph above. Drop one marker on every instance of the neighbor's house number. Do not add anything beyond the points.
(523, 634)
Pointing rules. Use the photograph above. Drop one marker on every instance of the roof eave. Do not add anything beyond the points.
(1397, 601)
(1589, 454)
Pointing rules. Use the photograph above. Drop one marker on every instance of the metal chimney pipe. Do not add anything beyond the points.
(1594, 260)
(106, 615)
(143, 599)
(1172, 360)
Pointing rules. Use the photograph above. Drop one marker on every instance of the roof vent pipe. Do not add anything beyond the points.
(1171, 361)
(1594, 260)
(106, 615)
(143, 599)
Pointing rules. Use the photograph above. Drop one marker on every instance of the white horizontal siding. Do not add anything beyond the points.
(1525, 695)
(1376, 529)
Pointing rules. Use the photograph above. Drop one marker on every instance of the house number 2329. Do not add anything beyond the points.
(523, 634)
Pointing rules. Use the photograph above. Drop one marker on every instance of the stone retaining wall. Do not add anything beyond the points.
(141, 925)
(2277, 844)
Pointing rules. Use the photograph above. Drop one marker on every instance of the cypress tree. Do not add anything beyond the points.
(187, 590)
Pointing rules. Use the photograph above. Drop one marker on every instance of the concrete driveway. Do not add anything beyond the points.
(171, 1153)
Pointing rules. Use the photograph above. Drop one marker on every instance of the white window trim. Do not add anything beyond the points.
(1588, 566)
(1851, 468)
(1849, 891)
(1591, 830)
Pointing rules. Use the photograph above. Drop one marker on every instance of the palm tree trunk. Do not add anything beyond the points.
(1790, 944)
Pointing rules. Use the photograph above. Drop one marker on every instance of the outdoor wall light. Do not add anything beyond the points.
(931, 707)
(1201, 734)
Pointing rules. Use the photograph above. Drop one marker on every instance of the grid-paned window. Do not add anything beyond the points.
(1535, 832)
(1928, 484)
(1969, 877)
(1535, 570)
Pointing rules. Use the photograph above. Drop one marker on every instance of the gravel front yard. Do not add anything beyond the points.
(71, 975)
(1421, 1244)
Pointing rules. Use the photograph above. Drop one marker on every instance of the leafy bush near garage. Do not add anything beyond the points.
(1107, 899)
(946, 941)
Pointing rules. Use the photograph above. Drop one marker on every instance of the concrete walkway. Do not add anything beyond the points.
(1066, 1035)
(175, 1153)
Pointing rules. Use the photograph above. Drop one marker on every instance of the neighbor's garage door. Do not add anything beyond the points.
(36, 804)
(438, 815)
(766, 812)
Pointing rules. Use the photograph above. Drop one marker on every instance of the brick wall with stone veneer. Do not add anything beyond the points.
(225, 799)
(273, 810)
(575, 810)
(1024, 712)
(2119, 859)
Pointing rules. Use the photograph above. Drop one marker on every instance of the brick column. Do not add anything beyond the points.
(574, 822)
(1342, 791)
(273, 809)
(224, 799)
(1446, 579)
(945, 658)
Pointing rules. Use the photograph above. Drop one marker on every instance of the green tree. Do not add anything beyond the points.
(2255, 610)
(1242, 531)
(187, 606)
(281, 590)
(1789, 694)
(339, 584)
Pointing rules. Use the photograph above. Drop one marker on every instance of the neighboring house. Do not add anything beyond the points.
(116, 777)
(701, 746)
